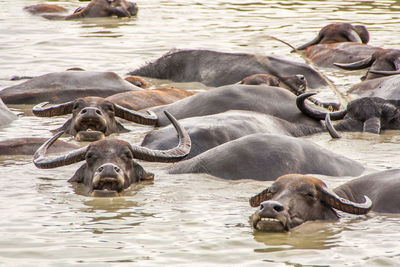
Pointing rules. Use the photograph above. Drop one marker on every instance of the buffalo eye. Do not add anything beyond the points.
(90, 156)
(309, 195)
(109, 107)
(76, 106)
(127, 155)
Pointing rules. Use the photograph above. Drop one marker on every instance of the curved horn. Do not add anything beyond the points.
(372, 125)
(41, 161)
(362, 32)
(52, 111)
(130, 115)
(361, 64)
(315, 114)
(385, 72)
(314, 41)
(172, 155)
(331, 130)
(353, 36)
(345, 205)
(256, 200)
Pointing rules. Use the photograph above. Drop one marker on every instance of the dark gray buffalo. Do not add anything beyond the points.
(294, 199)
(110, 165)
(6, 115)
(270, 100)
(366, 114)
(218, 68)
(384, 87)
(93, 117)
(210, 131)
(381, 63)
(266, 157)
(339, 42)
(59, 87)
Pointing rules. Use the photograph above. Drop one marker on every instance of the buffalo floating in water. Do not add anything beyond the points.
(28, 146)
(96, 8)
(380, 63)
(384, 87)
(6, 115)
(366, 114)
(218, 68)
(294, 199)
(59, 87)
(270, 100)
(339, 42)
(266, 157)
(93, 117)
(210, 131)
(110, 165)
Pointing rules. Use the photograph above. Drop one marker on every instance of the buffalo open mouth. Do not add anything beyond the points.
(107, 186)
(89, 135)
(267, 224)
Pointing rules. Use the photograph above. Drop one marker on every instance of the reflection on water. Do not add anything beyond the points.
(180, 220)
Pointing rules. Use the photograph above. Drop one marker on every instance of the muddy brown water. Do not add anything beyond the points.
(179, 220)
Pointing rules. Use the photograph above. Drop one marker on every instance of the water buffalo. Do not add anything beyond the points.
(218, 68)
(137, 100)
(110, 165)
(270, 100)
(381, 62)
(384, 87)
(210, 131)
(339, 42)
(294, 199)
(266, 157)
(28, 146)
(96, 8)
(6, 115)
(59, 87)
(93, 117)
(366, 114)
(44, 8)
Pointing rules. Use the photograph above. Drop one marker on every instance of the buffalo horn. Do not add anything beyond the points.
(172, 155)
(44, 162)
(385, 72)
(345, 205)
(361, 64)
(331, 130)
(314, 41)
(52, 111)
(256, 200)
(130, 115)
(315, 114)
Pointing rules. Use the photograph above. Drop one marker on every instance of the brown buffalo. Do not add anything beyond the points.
(110, 165)
(339, 42)
(137, 100)
(93, 117)
(44, 8)
(294, 199)
(381, 63)
(28, 146)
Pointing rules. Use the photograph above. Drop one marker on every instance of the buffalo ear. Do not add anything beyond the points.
(79, 175)
(141, 174)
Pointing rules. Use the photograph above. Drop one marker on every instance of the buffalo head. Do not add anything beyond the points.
(339, 32)
(366, 114)
(93, 117)
(294, 199)
(382, 62)
(110, 165)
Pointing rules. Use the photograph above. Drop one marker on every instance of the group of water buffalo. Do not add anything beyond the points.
(245, 128)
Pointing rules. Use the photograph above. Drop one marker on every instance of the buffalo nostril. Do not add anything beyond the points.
(261, 207)
(83, 111)
(100, 169)
(117, 169)
(98, 112)
(279, 208)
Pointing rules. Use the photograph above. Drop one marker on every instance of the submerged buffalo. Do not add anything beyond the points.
(93, 117)
(59, 87)
(110, 165)
(270, 100)
(218, 68)
(96, 8)
(266, 157)
(29, 145)
(210, 131)
(294, 199)
(339, 42)
(137, 100)
(384, 87)
(366, 114)
(380, 63)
